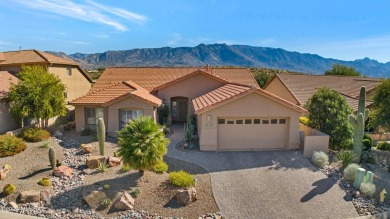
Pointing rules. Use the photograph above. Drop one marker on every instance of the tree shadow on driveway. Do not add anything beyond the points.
(321, 187)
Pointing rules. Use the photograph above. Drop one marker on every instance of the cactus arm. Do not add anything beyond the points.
(353, 121)
(101, 135)
(366, 113)
(362, 100)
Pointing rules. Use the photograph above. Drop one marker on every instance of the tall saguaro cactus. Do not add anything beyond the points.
(101, 135)
(358, 123)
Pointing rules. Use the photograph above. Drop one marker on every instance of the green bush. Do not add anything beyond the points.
(9, 189)
(11, 145)
(135, 193)
(367, 189)
(350, 172)
(160, 167)
(181, 179)
(383, 145)
(319, 158)
(34, 134)
(368, 137)
(367, 145)
(347, 157)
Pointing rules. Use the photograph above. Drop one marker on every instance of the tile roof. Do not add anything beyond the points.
(33, 56)
(5, 79)
(304, 86)
(115, 92)
(152, 77)
(231, 91)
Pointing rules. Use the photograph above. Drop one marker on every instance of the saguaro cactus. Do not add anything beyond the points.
(52, 158)
(358, 123)
(101, 135)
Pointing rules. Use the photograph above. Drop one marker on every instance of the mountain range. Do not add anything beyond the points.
(225, 55)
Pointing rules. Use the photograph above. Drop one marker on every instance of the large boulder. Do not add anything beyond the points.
(124, 202)
(186, 196)
(4, 171)
(95, 198)
(114, 161)
(29, 196)
(92, 161)
(87, 148)
(63, 171)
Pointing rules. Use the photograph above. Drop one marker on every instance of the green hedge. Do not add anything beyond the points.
(34, 134)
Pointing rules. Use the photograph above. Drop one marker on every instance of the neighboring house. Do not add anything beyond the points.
(233, 113)
(76, 80)
(299, 88)
(7, 122)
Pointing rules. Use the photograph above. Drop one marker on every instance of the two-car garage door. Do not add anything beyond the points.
(252, 133)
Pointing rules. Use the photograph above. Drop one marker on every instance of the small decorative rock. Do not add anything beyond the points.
(87, 171)
(355, 194)
(114, 161)
(95, 198)
(124, 202)
(186, 196)
(12, 205)
(63, 171)
(87, 148)
(29, 196)
(44, 195)
(4, 171)
(92, 161)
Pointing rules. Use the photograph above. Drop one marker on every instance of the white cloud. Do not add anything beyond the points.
(176, 39)
(80, 43)
(89, 12)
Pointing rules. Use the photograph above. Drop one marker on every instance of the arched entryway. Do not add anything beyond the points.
(179, 109)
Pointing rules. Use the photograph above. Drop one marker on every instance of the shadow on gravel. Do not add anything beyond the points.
(35, 173)
(321, 187)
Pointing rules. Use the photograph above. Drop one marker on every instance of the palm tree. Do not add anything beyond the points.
(142, 144)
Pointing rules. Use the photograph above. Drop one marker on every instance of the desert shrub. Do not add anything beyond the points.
(102, 166)
(34, 134)
(160, 167)
(126, 168)
(319, 158)
(350, 172)
(383, 145)
(367, 189)
(347, 157)
(9, 189)
(11, 145)
(367, 145)
(368, 137)
(106, 202)
(45, 182)
(304, 120)
(181, 179)
(135, 193)
(46, 145)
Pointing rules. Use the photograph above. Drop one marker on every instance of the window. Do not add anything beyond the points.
(69, 70)
(282, 121)
(239, 121)
(274, 121)
(248, 121)
(230, 122)
(221, 121)
(92, 114)
(265, 121)
(174, 108)
(256, 121)
(126, 115)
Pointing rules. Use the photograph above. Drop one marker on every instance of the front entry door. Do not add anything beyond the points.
(179, 108)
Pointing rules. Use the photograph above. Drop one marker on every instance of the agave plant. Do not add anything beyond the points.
(347, 157)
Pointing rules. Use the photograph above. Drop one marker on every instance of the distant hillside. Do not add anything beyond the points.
(225, 55)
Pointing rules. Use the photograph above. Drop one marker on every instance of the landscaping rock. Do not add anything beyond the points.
(355, 194)
(87, 171)
(186, 196)
(29, 196)
(87, 148)
(4, 171)
(12, 205)
(63, 171)
(124, 202)
(92, 161)
(95, 198)
(114, 161)
(44, 195)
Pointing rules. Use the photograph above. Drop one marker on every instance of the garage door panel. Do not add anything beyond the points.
(251, 136)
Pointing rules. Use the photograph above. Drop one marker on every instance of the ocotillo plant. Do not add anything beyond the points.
(101, 135)
(358, 123)
(52, 158)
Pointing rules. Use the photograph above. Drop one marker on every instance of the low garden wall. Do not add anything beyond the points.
(313, 140)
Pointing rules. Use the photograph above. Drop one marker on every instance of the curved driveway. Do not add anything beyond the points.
(267, 184)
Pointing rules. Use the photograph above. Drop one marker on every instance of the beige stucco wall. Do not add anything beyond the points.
(191, 88)
(277, 87)
(7, 122)
(77, 84)
(313, 140)
(250, 106)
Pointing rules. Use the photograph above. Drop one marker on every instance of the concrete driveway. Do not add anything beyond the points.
(267, 184)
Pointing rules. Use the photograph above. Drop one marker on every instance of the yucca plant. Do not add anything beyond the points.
(142, 144)
(102, 166)
(347, 157)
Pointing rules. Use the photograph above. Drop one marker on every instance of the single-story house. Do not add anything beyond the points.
(7, 122)
(298, 88)
(233, 113)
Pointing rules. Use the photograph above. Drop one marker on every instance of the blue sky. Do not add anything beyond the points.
(342, 29)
